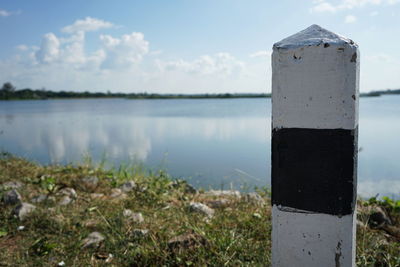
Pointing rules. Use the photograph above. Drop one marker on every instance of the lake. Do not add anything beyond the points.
(212, 143)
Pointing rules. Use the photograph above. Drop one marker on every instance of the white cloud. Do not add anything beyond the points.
(126, 63)
(350, 19)
(4, 13)
(261, 53)
(62, 62)
(221, 63)
(73, 51)
(49, 49)
(93, 61)
(86, 25)
(22, 47)
(114, 53)
(125, 51)
(65, 52)
(374, 13)
(326, 6)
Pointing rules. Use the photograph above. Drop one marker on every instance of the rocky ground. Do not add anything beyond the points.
(84, 215)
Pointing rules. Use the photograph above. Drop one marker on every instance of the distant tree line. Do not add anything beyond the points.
(195, 96)
(9, 92)
(382, 92)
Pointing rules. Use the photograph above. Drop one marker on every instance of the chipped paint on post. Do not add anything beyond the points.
(315, 79)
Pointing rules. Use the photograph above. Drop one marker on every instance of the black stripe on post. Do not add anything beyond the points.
(315, 169)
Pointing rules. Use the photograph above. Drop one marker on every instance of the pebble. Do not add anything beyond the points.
(96, 195)
(201, 208)
(90, 223)
(11, 197)
(115, 192)
(128, 186)
(254, 198)
(257, 215)
(65, 200)
(68, 192)
(140, 233)
(23, 210)
(136, 217)
(90, 183)
(127, 212)
(93, 240)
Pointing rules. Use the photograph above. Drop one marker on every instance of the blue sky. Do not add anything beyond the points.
(181, 46)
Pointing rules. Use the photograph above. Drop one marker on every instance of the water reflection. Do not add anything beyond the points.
(214, 143)
(71, 138)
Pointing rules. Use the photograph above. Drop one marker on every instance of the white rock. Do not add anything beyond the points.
(257, 215)
(38, 198)
(115, 192)
(23, 210)
(136, 217)
(68, 192)
(127, 212)
(254, 198)
(65, 200)
(201, 208)
(92, 240)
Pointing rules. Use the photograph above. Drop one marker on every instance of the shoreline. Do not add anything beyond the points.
(29, 94)
(85, 215)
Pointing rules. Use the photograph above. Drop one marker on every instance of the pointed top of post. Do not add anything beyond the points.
(313, 36)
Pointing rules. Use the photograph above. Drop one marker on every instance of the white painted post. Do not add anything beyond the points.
(315, 78)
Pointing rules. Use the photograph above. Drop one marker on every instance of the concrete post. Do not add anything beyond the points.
(315, 78)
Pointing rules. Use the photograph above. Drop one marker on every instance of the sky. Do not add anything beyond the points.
(182, 46)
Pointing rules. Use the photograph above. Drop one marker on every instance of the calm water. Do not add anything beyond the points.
(212, 143)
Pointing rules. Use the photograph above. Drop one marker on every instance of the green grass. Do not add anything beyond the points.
(235, 236)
